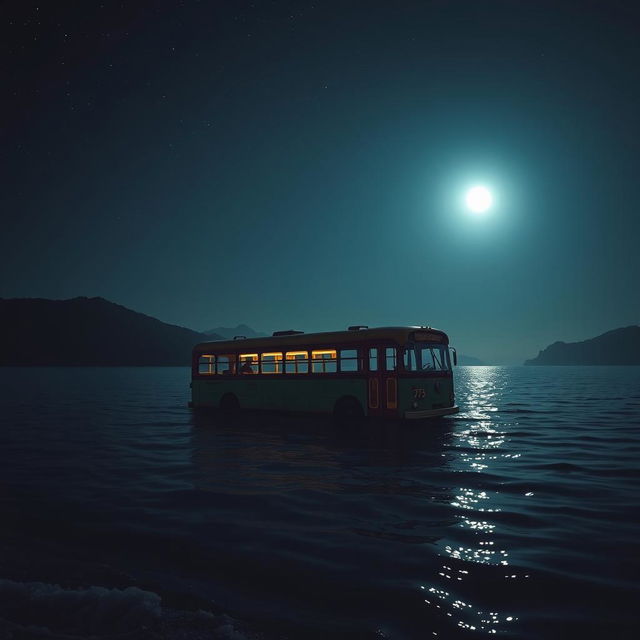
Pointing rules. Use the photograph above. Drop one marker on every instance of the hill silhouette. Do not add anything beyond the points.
(617, 347)
(89, 331)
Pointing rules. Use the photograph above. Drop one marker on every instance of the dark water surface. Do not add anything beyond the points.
(124, 515)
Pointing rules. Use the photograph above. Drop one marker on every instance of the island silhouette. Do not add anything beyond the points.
(616, 347)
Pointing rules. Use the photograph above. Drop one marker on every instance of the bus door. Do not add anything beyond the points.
(382, 380)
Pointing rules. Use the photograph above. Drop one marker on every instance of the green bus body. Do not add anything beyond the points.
(391, 380)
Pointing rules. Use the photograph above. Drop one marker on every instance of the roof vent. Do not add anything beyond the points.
(239, 337)
(357, 327)
(290, 332)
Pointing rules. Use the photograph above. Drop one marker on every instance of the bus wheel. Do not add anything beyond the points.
(348, 407)
(229, 402)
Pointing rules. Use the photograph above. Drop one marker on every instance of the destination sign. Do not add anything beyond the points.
(426, 336)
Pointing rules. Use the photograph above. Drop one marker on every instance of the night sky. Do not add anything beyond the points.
(303, 165)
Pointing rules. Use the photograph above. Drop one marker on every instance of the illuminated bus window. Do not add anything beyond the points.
(297, 362)
(324, 361)
(373, 359)
(248, 363)
(226, 364)
(271, 362)
(390, 358)
(349, 360)
(206, 364)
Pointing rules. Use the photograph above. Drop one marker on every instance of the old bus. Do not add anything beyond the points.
(390, 372)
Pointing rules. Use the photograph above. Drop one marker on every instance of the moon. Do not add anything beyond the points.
(479, 199)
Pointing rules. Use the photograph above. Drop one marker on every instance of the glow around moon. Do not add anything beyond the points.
(479, 199)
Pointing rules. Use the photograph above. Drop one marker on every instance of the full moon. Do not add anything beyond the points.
(479, 199)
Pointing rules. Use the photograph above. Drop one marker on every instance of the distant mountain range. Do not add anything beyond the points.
(89, 332)
(617, 347)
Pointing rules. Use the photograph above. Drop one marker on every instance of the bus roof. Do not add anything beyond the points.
(397, 335)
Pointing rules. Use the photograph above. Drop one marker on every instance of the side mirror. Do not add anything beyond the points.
(455, 357)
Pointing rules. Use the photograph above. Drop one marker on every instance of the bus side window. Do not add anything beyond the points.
(390, 358)
(248, 363)
(271, 362)
(226, 365)
(373, 359)
(206, 364)
(296, 362)
(324, 361)
(410, 363)
(349, 360)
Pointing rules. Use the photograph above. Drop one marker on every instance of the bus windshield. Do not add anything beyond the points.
(426, 357)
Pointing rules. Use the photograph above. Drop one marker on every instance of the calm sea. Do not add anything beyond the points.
(123, 515)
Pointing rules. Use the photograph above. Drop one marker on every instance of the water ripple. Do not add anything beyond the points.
(516, 517)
